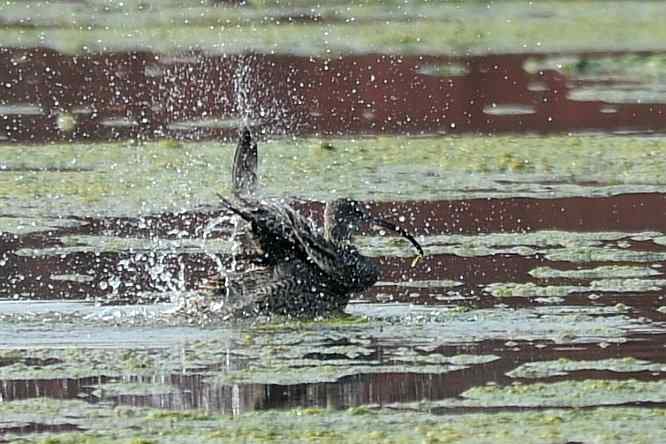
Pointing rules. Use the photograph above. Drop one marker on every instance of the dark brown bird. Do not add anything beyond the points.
(244, 169)
(293, 267)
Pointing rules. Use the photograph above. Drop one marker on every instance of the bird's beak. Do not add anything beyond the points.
(402, 232)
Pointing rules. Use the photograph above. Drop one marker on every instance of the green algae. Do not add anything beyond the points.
(441, 326)
(545, 369)
(87, 362)
(98, 244)
(26, 225)
(417, 355)
(322, 373)
(444, 70)
(621, 93)
(623, 78)
(132, 389)
(518, 243)
(592, 392)
(284, 354)
(123, 179)
(360, 425)
(602, 272)
(368, 27)
(599, 254)
(554, 245)
(287, 353)
(422, 284)
(510, 289)
(634, 67)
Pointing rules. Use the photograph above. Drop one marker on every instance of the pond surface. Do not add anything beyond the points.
(146, 95)
(533, 178)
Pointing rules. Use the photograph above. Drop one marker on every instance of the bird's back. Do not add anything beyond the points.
(286, 265)
(298, 272)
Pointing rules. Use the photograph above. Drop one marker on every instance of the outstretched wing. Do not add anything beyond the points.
(272, 226)
(244, 169)
(286, 235)
(342, 264)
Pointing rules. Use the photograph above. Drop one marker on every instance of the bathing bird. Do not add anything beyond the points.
(289, 265)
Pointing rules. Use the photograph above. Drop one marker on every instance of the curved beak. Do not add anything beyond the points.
(402, 232)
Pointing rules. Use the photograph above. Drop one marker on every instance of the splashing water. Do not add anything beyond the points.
(242, 84)
(257, 105)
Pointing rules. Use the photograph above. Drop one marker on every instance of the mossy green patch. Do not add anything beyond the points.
(358, 425)
(180, 415)
(603, 272)
(97, 244)
(546, 242)
(511, 289)
(545, 369)
(125, 179)
(622, 78)
(566, 393)
(599, 254)
(366, 27)
(23, 225)
(313, 352)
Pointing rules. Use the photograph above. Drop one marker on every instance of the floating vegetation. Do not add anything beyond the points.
(554, 245)
(106, 424)
(24, 225)
(448, 356)
(435, 28)
(122, 179)
(444, 70)
(603, 272)
(318, 373)
(546, 369)
(509, 289)
(422, 284)
(599, 254)
(154, 245)
(132, 389)
(592, 392)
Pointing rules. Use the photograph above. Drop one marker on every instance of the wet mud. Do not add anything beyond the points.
(140, 95)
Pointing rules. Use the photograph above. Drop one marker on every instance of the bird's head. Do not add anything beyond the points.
(344, 217)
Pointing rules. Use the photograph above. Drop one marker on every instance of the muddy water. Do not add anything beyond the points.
(549, 294)
(478, 294)
(108, 96)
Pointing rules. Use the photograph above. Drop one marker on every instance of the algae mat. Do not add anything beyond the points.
(537, 315)
(131, 180)
(311, 425)
(311, 28)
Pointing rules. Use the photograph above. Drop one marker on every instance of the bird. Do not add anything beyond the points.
(289, 265)
(244, 167)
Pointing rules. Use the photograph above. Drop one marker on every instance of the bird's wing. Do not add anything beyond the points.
(332, 259)
(273, 225)
(342, 264)
(244, 169)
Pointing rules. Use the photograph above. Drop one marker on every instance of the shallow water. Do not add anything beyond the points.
(351, 94)
(513, 290)
(534, 179)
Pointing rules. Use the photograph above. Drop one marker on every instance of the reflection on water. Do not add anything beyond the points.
(130, 95)
(516, 293)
